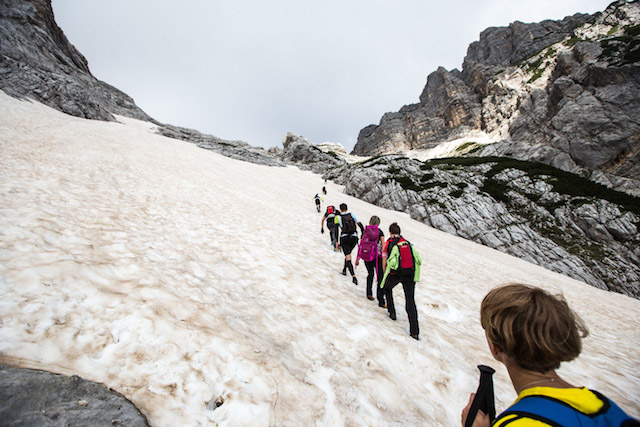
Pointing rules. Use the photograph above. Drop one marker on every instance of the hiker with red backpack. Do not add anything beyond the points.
(348, 238)
(370, 251)
(329, 217)
(402, 266)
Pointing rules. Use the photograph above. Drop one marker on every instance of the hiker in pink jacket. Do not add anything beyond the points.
(370, 251)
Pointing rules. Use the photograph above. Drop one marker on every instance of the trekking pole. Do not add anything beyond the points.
(484, 399)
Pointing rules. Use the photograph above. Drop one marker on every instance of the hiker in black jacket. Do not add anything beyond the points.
(348, 238)
(329, 217)
(317, 199)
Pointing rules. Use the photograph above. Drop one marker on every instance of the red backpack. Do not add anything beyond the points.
(368, 250)
(407, 265)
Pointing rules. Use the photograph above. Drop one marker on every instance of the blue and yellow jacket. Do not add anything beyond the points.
(566, 407)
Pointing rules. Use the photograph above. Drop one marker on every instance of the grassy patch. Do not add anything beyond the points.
(572, 41)
(633, 30)
(407, 183)
(426, 177)
(467, 148)
(456, 193)
(623, 49)
(563, 182)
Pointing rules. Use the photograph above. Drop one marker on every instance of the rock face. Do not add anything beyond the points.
(565, 93)
(235, 149)
(37, 398)
(546, 216)
(37, 61)
(299, 151)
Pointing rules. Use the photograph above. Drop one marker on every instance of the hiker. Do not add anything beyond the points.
(531, 332)
(370, 251)
(348, 238)
(329, 217)
(317, 199)
(402, 265)
(324, 190)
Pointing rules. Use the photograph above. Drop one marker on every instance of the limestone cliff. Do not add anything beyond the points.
(37, 61)
(565, 93)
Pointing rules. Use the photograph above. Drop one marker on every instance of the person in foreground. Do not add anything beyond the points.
(531, 332)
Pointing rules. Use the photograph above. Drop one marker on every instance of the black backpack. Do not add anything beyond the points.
(348, 224)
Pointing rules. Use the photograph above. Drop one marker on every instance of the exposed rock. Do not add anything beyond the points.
(543, 215)
(307, 156)
(37, 61)
(38, 398)
(565, 93)
(235, 149)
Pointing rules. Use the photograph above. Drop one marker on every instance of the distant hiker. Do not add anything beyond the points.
(324, 190)
(531, 332)
(370, 251)
(402, 266)
(348, 238)
(330, 217)
(317, 199)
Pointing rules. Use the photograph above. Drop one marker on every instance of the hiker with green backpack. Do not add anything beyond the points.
(402, 266)
(370, 251)
(348, 238)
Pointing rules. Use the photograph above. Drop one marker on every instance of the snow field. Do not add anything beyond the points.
(176, 276)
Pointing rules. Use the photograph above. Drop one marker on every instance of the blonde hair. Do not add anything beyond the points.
(374, 220)
(535, 328)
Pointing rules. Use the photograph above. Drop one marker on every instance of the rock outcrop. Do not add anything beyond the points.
(38, 398)
(37, 61)
(546, 216)
(565, 93)
(238, 150)
(317, 158)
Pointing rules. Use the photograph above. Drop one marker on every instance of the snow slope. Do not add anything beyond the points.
(175, 276)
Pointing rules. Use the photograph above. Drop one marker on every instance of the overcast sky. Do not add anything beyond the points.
(255, 69)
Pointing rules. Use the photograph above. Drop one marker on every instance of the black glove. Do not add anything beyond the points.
(322, 230)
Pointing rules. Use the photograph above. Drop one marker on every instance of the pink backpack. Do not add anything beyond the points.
(368, 250)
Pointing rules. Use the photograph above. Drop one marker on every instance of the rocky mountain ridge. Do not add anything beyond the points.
(37, 61)
(564, 93)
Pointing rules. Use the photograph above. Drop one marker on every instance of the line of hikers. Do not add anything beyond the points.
(528, 329)
(389, 262)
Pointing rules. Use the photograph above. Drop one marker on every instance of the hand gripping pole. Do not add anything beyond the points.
(484, 399)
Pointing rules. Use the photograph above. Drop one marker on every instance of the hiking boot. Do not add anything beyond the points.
(415, 337)
(344, 272)
(392, 316)
(355, 281)
(383, 305)
(369, 297)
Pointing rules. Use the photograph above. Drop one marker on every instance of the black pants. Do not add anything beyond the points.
(348, 243)
(333, 233)
(371, 269)
(409, 287)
